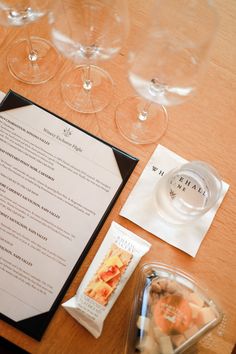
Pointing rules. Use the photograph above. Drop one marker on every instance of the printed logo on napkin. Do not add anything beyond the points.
(108, 275)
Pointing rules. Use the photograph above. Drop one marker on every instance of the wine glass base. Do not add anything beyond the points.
(138, 131)
(91, 98)
(35, 71)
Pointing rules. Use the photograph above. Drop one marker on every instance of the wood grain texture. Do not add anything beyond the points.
(203, 128)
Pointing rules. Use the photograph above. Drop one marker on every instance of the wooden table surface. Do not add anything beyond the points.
(203, 128)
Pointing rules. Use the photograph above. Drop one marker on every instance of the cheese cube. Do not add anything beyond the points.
(157, 332)
(166, 345)
(191, 331)
(195, 310)
(154, 350)
(148, 346)
(143, 323)
(178, 339)
(195, 299)
(205, 315)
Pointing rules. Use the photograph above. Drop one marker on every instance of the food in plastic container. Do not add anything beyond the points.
(171, 312)
(111, 268)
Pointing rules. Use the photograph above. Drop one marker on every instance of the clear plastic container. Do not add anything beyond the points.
(171, 312)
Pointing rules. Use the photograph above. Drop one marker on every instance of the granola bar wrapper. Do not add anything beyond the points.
(111, 268)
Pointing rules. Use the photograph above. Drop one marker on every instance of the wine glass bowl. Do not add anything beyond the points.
(89, 30)
(32, 60)
(19, 13)
(86, 32)
(167, 82)
(168, 67)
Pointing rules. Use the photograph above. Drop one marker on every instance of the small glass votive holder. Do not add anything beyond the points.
(187, 192)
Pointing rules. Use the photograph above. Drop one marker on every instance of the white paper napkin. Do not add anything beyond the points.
(140, 207)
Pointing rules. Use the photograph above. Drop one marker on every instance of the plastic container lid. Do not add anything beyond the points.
(171, 312)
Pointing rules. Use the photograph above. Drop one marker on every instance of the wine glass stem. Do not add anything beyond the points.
(87, 84)
(143, 115)
(33, 54)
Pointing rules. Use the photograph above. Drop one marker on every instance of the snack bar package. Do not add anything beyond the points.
(115, 261)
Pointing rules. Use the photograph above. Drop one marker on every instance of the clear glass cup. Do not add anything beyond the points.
(187, 192)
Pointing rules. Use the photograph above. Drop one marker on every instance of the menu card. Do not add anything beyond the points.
(57, 185)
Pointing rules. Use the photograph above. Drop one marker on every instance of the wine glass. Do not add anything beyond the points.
(167, 68)
(86, 31)
(32, 60)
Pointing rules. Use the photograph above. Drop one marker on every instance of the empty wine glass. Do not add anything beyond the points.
(167, 68)
(86, 31)
(32, 60)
